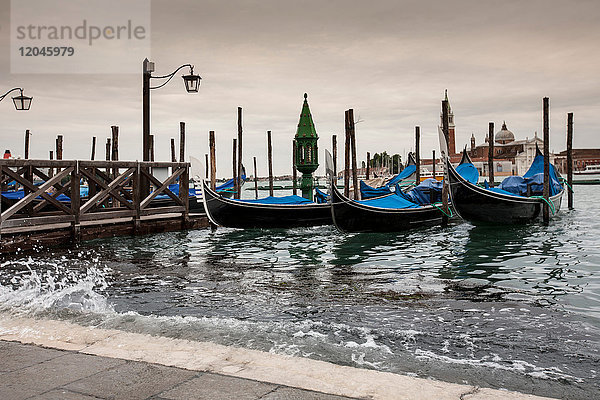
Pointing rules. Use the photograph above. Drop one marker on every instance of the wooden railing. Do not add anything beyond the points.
(114, 191)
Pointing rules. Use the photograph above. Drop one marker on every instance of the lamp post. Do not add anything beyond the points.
(22, 103)
(192, 84)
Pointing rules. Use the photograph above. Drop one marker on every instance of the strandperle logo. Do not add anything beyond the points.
(84, 31)
(79, 36)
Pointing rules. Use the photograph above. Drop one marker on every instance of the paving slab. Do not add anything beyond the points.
(18, 356)
(286, 393)
(219, 387)
(131, 381)
(51, 374)
(62, 394)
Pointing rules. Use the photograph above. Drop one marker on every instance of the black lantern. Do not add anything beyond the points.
(22, 103)
(192, 82)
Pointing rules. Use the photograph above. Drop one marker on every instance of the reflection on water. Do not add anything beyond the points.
(515, 307)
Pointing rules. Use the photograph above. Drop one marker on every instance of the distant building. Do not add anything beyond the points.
(581, 159)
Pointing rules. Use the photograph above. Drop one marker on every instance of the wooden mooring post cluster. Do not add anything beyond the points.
(52, 210)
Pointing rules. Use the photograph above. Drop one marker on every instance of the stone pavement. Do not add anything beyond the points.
(33, 372)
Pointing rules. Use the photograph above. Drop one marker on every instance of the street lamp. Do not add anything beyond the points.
(192, 85)
(22, 103)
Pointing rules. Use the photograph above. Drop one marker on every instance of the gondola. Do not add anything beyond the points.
(496, 205)
(272, 212)
(389, 213)
(405, 180)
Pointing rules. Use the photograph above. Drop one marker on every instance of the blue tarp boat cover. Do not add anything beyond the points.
(421, 193)
(391, 201)
(229, 184)
(405, 173)
(368, 192)
(320, 196)
(279, 200)
(534, 177)
(468, 172)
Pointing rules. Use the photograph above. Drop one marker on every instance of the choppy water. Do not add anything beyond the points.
(504, 307)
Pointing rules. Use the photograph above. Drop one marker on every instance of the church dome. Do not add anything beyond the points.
(504, 135)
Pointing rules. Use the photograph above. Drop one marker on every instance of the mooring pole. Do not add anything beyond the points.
(353, 147)
(546, 160)
(107, 155)
(93, 156)
(51, 170)
(570, 158)
(213, 160)
(255, 180)
(27, 134)
(59, 150)
(234, 164)
(368, 164)
(182, 142)
(347, 157)
(270, 160)
(334, 148)
(115, 148)
(418, 154)
(445, 188)
(173, 155)
(207, 165)
(151, 148)
(433, 164)
(491, 154)
(239, 161)
(294, 171)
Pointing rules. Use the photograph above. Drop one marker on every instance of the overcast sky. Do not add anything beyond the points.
(389, 60)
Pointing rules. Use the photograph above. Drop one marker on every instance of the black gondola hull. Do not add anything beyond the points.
(350, 216)
(236, 214)
(478, 205)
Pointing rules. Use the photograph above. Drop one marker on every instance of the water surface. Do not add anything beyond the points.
(503, 307)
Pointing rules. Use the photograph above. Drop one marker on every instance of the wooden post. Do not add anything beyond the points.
(334, 148)
(255, 180)
(294, 171)
(173, 155)
(270, 157)
(27, 135)
(491, 154)
(239, 160)
(107, 154)
(184, 196)
(213, 159)
(51, 170)
(433, 164)
(76, 203)
(234, 163)
(445, 188)
(93, 156)
(115, 155)
(353, 147)
(368, 164)
(137, 199)
(570, 158)
(207, 165)
(59, 150)
(418, 154)
(546, 160)
(59, 147)
(347, 157)
(182, 142)
(151, 148)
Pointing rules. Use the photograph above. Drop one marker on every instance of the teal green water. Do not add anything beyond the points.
(506, 307)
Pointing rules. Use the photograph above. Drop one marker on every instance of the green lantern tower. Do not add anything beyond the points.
(307, 152)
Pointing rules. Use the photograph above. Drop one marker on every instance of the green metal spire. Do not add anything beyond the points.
(307, 152)
(306, 126)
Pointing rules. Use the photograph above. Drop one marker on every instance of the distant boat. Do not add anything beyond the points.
(589, 170)
(270, 212)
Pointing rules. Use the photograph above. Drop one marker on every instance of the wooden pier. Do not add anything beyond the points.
(53, 210)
